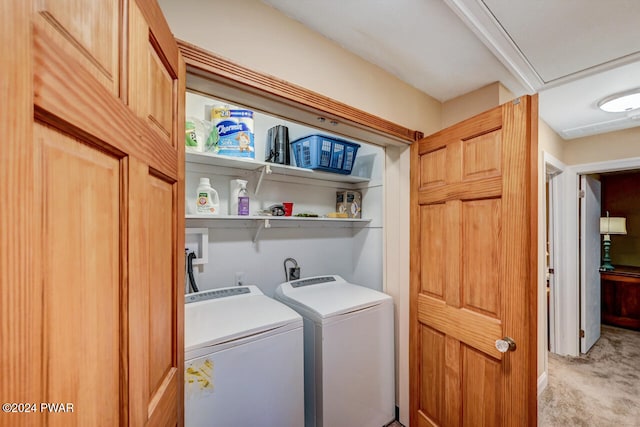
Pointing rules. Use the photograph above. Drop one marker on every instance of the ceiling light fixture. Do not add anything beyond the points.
(625, 101)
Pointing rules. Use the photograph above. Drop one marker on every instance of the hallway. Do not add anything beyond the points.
(601, 388)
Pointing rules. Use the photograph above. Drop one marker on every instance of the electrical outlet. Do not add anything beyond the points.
(239, 278)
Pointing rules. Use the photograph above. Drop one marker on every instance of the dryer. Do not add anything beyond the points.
(243, 360)
(348, 351)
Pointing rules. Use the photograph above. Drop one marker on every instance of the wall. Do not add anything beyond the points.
(549, 141)
(620, 198)
(470, 104)
(269, 42)
(599, 148)
(260, 37)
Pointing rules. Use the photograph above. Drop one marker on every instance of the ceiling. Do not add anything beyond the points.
(572, 52)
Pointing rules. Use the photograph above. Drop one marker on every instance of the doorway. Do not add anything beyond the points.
(552, 210)
(568, 262)
(566, 308)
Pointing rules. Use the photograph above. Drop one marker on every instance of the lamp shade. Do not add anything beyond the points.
(613, 225)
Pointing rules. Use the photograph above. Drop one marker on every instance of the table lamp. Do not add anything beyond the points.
(610, 225)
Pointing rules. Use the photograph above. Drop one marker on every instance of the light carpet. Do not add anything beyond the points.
(601, 388)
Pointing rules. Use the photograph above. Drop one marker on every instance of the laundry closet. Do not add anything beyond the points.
(324, 225)
(232, 249)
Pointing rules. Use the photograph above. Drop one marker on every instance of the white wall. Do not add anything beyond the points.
(354, 253)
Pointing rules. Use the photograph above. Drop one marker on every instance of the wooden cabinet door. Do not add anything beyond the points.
(87, 31)
(473, 275)
(156, 96)
(92, 293)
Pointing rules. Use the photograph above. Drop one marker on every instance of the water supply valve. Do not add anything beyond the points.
(293, 273)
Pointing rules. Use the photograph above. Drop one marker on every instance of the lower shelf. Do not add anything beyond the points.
(285, 219)
(263, 222)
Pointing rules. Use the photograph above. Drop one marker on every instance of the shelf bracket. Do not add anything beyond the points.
(266, 170)
(261, 226)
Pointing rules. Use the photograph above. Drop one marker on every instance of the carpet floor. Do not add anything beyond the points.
(601, 388)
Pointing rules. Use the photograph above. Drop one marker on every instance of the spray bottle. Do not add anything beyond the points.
(239, 199)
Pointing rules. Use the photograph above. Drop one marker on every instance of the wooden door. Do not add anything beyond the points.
(473, 274)
(92, 185)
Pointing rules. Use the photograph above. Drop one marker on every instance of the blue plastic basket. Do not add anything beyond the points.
(324, 153)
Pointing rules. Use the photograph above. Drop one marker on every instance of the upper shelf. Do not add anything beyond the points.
(278, 169)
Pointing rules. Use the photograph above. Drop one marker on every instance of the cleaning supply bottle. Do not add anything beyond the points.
(207, 201)
(239, 197)
(243, 199)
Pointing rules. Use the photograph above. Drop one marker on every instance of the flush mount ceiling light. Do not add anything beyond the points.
(625, 101)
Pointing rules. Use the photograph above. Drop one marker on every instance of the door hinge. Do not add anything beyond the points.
(581, 194)
(551, 271)
(581, 333)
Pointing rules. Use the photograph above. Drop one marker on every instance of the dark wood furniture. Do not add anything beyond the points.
(620, 290)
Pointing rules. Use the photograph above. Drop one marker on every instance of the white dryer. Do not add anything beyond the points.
(348, 351)
(243, 360)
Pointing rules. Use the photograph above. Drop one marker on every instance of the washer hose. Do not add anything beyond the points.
(192, 280)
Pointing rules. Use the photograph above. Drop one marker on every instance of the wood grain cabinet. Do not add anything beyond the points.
(620, 290)
(92, 202)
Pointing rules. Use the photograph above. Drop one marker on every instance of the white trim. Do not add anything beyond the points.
(396, 263)
(543, 381)
(558, 261)
(479, 19)
(552, 229)
(607, 166)
(204, 244)
(554, 167)
(485, 26)
(569, 309)
(552, 164)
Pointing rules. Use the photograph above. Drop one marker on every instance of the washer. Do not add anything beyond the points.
(243, 360)
(348, 351)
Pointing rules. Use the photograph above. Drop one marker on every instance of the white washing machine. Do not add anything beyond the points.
(348, 351)
(243, 360)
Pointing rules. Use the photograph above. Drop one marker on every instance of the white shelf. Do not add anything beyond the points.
(283, 219)
(277, 169)
(265, 222)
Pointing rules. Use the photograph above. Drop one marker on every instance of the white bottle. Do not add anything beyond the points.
(207, 201)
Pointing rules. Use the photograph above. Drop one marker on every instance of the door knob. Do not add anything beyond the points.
(505, 344)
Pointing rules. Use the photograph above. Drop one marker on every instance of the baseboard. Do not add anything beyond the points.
(543, 380)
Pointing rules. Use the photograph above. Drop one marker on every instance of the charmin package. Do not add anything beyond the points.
(235, 131)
